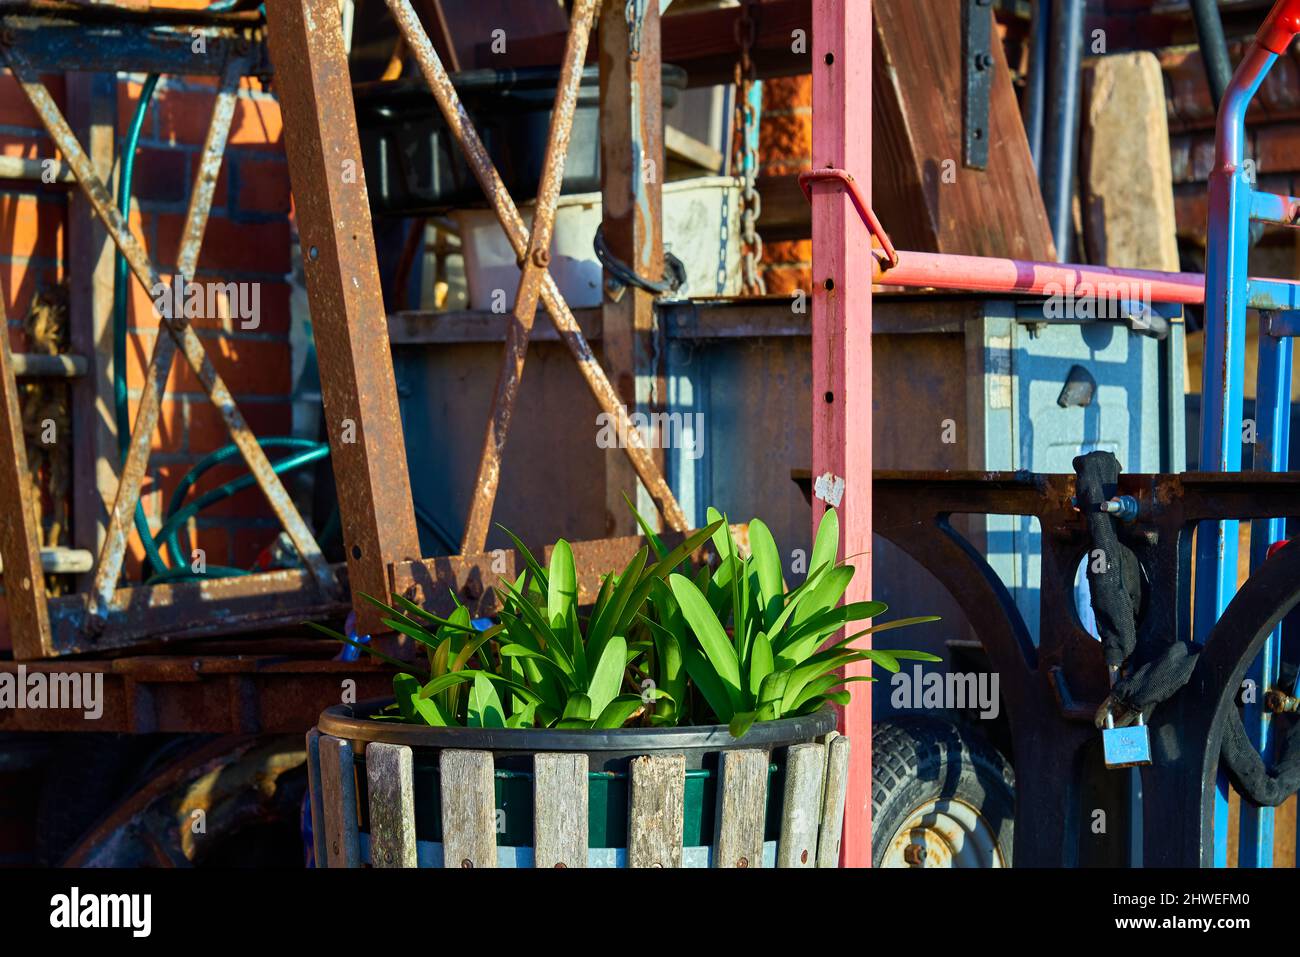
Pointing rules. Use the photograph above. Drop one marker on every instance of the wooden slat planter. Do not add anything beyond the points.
(366, 798)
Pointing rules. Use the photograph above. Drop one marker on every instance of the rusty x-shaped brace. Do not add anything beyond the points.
(179, 333)
(536, 282)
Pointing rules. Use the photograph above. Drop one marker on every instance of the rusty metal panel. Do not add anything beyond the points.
(356, 369)
(24, 581)
(213, 606)
(430, 582)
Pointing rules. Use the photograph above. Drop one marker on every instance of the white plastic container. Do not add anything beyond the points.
(701, 228)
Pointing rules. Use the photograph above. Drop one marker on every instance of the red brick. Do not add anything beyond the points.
(184, 117)
(160, 176)
(15, 110)
(18, 283)
(170, 433)
(245, 247)
(32, 227)
(263, 186)
(221, 195)
(249, 543)
(208, 430)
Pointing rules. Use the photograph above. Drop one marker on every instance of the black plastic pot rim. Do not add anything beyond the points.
(347, 721)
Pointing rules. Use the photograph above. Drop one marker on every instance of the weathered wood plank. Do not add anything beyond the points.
(339, 802)
(655, 818)
(469, 837)
(742, 803)
(805, 770)
(390, 773)
(560, 810)
(832, 814)
(314, 789)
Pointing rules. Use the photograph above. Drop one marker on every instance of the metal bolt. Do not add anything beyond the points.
(541, 258)
(467, 863)
(743, 862)
(803, 858)
(313, 253)
(915, 855)
(560, 865)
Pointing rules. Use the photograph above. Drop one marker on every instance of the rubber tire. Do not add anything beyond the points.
(921, 758)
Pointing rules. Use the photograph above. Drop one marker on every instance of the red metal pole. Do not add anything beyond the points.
(983, 274)
(841, 341)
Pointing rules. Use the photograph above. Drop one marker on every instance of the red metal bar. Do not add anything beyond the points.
(841, 343)
(1281, 26)
(807, 178)
(986, 274)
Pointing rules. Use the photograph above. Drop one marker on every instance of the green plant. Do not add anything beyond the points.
(772, 663)
(554, 667)
(654, 647)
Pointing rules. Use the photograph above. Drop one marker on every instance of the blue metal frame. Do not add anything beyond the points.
(1234, 204)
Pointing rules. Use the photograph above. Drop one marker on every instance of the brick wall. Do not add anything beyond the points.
(247, 240)
(785, 148)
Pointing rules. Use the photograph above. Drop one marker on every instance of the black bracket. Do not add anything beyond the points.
(977, 80)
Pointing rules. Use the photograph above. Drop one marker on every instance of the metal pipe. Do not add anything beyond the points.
(1034, 106)
(1214, 47)
(1061, 137)
(38, 365)
(985, 274)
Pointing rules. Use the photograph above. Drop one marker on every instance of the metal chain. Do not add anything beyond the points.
(746, 128)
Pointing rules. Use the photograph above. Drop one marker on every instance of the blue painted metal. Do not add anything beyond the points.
(1233, 205)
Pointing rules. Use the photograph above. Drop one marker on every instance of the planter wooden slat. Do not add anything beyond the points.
(339, 799)
(742, 806)
(837, 779)
(560, 810)
(314, 789)
(390, 774)
(655, 818)
(469, 835)
(805, 773)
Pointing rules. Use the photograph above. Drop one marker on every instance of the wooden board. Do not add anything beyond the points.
(655, 821)
(560, 810)
(469, 837)
(801, 813)
(339, 802)
(742, 806)
(917, 97)
(832, 817)
(389, 772)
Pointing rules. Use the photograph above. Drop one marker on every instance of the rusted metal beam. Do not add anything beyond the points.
(158, 614)
(358, 387)
(191, 347)
(463, 131)
(534, 265)
(180, 694)
(631, 172)
(20, 544)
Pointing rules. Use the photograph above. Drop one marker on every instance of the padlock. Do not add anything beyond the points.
(1126, 747)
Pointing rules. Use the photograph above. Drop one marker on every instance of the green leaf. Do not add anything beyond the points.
(741, 723)
(707, 683)
(532, 563)
(616, 713)
(562, 591)
(415, 709)
(767, 565)
(710, 634)
(577, 708)
(656, 542)
(607, 676)
(826, 546)
(760, 663)
(375, 653)
(612, 616)
(485, 709)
